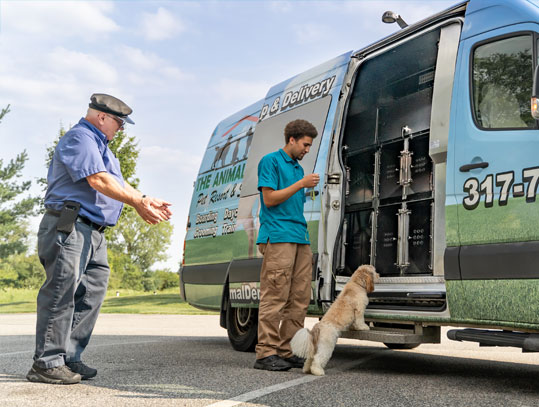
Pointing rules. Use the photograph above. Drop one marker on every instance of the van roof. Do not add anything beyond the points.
(456, 10)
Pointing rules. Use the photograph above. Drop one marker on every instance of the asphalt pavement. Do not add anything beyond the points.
(179, 360)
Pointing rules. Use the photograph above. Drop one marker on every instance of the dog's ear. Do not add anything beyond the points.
(359, 277)
(369, 282)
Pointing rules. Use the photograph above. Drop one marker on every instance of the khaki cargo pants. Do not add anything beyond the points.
(285, 293)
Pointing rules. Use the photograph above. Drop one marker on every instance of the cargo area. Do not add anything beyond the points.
(389, 190)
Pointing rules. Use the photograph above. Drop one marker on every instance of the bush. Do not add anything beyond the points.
(21, 271)
(166, 279)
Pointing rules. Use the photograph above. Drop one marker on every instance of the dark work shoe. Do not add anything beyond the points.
(86, 372)
(273, 363)
(296, 361)
(53, 375)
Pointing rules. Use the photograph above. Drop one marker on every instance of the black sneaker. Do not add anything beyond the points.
(86, 372)
(273, 363)
(53, 375)
(296, 361)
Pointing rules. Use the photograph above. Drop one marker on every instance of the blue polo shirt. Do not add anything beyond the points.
(283, 223)
(81, 152)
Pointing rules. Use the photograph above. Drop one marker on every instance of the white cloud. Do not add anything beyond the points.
(64, 76)
(79, 66)
(84, 19)
(162, 25)
(138, 59)
(145, 68)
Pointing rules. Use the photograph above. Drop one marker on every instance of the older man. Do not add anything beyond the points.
(85, 195)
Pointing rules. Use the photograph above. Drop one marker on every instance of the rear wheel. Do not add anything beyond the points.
(242, 327)
(402, 345)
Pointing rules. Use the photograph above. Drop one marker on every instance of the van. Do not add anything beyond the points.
(427, 155)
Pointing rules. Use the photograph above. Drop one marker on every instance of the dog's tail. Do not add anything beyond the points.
(302, 344)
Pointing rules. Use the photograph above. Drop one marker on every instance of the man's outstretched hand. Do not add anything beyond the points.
(153, 210)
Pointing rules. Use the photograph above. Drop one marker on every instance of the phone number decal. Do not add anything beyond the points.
(504, 181)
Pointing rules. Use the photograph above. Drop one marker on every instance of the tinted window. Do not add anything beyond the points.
(502, 83)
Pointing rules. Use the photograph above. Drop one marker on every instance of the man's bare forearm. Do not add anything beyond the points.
(152, 210)
(273, 198)
(107, 185)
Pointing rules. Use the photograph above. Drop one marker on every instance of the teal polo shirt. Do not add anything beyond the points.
(283, 223)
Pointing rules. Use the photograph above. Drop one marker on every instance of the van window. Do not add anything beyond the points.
(502, 83)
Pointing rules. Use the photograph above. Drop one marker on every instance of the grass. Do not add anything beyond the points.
(128, 302)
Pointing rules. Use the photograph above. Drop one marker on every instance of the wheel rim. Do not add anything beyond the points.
(243, 319)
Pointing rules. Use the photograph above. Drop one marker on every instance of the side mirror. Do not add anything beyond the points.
(535, 95)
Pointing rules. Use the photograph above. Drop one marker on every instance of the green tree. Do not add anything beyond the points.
(21, 271)
(125, 148)
(134, 245)
(165, 279)
(14, 209)
(48, 158)
(145, 244)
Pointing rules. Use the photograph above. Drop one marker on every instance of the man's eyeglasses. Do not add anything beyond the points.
(121, 122)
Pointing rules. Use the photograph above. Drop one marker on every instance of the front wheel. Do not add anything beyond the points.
(242, 327)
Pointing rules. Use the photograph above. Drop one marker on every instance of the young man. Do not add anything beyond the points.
(285, 278)
(85, 195)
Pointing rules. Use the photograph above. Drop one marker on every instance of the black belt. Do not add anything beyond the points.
(96, 226)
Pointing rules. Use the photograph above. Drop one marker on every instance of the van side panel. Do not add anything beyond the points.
(213, 236)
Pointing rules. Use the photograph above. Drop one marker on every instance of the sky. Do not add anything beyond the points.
(183, 66)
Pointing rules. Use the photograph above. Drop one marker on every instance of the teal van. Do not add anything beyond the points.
(429, 171)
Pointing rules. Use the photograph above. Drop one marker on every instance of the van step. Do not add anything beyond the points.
(527, 341)
(415, 335)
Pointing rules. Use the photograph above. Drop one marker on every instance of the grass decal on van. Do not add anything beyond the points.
(488, 301)
(221, 249)
(518, 221)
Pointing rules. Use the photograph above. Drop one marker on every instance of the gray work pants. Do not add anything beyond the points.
(68, 303)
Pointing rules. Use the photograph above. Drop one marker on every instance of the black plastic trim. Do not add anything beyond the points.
(182, 284)
(451, 263)
(499, 261)
(244, 271)
(205, 274)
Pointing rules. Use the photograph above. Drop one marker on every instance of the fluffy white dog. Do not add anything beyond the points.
(316, 346)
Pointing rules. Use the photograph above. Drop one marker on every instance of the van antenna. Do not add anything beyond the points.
(389, 17)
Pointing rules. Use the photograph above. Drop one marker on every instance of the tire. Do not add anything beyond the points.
(402, 345)
(242, 327)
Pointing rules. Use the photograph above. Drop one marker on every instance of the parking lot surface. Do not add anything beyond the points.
(174, 360)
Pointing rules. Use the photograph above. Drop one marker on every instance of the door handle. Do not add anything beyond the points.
(468, 167)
